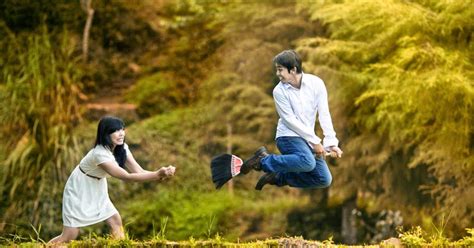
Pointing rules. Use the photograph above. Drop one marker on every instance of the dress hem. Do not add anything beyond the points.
(92, 223)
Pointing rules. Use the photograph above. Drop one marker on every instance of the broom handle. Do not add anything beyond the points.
(327, 154)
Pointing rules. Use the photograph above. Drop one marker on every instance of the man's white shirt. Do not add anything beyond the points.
(298, 108)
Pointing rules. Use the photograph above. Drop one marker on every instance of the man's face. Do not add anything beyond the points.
(283, 74)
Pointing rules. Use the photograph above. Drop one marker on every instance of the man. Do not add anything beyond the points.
(298, 98)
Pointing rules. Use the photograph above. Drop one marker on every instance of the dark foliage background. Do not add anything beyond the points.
(194, 78)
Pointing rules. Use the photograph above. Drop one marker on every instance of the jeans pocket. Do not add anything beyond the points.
(282, 143)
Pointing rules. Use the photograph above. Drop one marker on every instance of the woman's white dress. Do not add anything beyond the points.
(85, 199)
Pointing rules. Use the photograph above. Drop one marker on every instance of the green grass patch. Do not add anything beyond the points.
(415, 237)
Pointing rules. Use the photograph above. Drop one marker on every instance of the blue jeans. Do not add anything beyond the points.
(297, 166)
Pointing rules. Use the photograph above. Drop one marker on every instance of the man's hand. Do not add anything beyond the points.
(335, 152)
(319, 150)
(165, 172)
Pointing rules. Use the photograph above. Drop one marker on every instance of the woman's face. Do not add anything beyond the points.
(118, 137)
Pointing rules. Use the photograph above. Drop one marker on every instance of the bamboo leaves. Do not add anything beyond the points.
(40, 86)
(415, 94)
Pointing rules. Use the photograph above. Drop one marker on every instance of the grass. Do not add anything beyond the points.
(215, 242)
(415, 237)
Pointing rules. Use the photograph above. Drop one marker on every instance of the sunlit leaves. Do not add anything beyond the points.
(413, 64)
(40, 93)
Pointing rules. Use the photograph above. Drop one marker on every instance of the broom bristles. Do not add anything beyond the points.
(221, 169)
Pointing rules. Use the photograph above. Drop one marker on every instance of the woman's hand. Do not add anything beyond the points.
(165, 172)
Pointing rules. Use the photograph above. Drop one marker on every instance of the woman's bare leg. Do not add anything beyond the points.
(116, 228)
(68, 234)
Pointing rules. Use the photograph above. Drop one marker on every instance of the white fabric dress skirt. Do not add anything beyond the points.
(86, 200)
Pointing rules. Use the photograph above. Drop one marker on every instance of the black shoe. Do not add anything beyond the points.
(253, 163)
(267, 178)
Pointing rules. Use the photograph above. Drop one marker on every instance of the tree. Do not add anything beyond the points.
(40, 92)
(87, 7)
(191, 35)
(402, 73)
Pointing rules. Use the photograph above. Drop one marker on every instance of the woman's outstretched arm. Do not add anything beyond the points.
(133, 166)
(113, 169)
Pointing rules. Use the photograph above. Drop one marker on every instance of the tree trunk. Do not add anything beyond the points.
(348, 225)
(86, 6)
(230, 184)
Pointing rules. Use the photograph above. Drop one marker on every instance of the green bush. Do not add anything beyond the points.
(417, 237)
(40, 91)
(152, 94)
(179, 215)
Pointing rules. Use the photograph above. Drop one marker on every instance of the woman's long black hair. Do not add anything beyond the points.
(107, 126)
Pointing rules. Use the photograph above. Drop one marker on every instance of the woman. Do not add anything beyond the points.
(85, 199)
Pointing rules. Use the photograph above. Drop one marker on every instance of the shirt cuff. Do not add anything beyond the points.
(316, 140)
(327, 142)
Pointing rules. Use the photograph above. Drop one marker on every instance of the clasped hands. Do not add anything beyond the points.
(334, 151)
(165, 172)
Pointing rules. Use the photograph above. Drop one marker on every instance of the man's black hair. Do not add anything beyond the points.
(289, 59)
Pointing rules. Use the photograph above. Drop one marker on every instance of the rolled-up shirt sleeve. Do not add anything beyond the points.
(288, 117)
(325, 118)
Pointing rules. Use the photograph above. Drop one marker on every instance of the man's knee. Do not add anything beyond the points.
(308, 163)
(326, 181)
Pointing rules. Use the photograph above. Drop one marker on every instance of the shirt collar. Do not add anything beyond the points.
(288, 86)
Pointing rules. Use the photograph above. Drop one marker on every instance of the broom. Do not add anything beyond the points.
(224, 167)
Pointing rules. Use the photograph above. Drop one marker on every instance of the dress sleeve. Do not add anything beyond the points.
(103, 155)
(125, 146)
